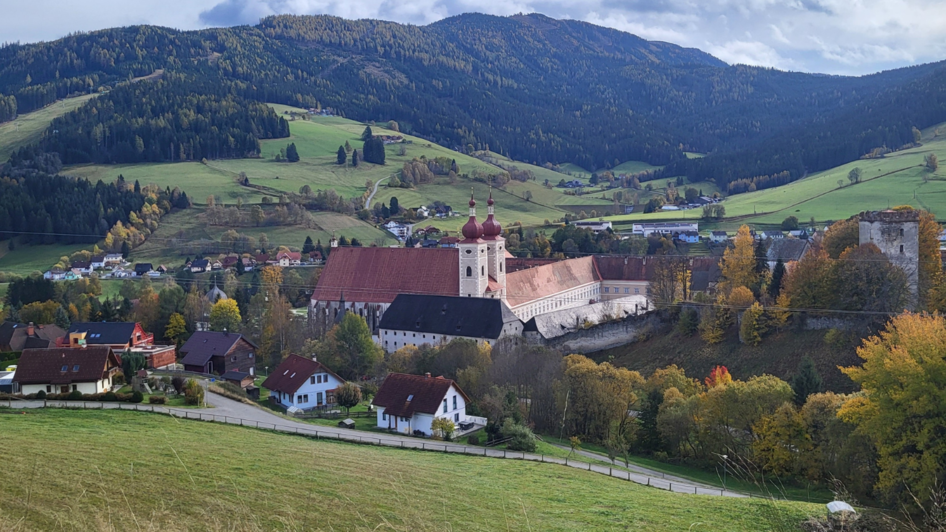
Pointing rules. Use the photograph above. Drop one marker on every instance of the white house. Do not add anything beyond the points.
(88, 370)
(401, 231)
(98, 262)
(664, 228)
(113, 258)
(422, 212)
(595, 226)
(718, 237)
(302, 383)
(289, 258)
(409, 403)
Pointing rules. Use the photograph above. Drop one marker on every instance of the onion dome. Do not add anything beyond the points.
(491, 228)
(472, 230)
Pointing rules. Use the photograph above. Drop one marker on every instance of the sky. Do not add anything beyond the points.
(850, 37)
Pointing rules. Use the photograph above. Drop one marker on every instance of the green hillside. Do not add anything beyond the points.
(899, 178)
(29, 127)
(136, 471)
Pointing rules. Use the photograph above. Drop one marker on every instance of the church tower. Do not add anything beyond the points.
(495, 250)
(474, 278)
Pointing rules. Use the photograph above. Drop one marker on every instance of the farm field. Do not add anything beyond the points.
(29, 127)
(317, 485)
(28, 259)
(160, 248)
(897, 179)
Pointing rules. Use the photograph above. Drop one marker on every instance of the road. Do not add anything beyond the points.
(373, 192)
(223, 410)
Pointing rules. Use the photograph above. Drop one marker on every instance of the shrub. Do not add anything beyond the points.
(178, 384)
(522, 439)
(158, 400)
(232, 388)
(110, 397)
(123, 397)
(41, 395)
(118, 378)
(473, 440)
(193, 392)
(136, 397)
(75, 395)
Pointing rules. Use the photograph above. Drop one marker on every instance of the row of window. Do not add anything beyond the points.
(607, 290)
(329, 398)
(318, 378)
(445, 404)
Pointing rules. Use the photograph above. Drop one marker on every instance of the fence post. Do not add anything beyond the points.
(648, 479)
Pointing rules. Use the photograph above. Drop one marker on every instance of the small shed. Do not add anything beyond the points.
(347, 423)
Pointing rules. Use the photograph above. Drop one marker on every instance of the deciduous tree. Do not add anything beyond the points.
(348, 395)
(738, 264)
(225, 316)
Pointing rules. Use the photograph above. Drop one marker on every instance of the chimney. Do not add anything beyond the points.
(30, 329)
(427, 375)
(314, 358)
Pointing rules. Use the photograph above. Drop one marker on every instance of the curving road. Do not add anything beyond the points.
(373, 192)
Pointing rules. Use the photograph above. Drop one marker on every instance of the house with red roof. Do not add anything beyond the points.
(302, 383)
(289, 258)
(410, 403)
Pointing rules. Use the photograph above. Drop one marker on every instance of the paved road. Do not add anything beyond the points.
(224, 410)
(373, 192)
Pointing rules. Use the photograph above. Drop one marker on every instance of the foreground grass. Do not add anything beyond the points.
(143, 471)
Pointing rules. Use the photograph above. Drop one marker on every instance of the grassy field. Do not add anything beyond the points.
(897, 179)
(27, 259)
(29, 127)
(160, 248)
(141, 471)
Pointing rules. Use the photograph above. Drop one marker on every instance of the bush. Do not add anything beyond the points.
(118, 378)
(110, 397)
(75, 395)
(522, 439)
(123, 397)
(193, 392)
(232, 388)
(136, 397)
(473, 440)
(158, 400)
(41, 395)
(178, 384)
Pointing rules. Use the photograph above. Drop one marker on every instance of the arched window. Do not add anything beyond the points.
(469, 271)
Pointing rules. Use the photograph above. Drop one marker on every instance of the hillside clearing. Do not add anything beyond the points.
(29, 127)
(139, 470)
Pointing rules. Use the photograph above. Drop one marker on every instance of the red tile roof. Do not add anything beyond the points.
(426, 394)
(291, 255)
(613, 268)
(293, 372)
(378, 275)
(542, 281)
(84, 364)
(515, 264)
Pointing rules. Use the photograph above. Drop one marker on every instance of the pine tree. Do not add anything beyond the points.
(649, 436)
(385, 211)
(775, 287)
(292, 154)
(342, 157)
(366, 134)
(126, 250)
(308, 246)
(354, 158)
(395, 207)
(806, 381)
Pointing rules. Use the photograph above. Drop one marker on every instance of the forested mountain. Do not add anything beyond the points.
(533, 88)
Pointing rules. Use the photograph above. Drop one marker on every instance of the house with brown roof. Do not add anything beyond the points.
(409, 403)
(624, 276)
(64, 369)
(302, 383)
(218, 352)
(17, 336)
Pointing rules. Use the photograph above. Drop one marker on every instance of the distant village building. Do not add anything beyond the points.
(718, 237)
(664, 228)
(18, 336)
(595, 226)
(218, 352)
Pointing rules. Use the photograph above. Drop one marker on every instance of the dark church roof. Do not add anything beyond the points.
(473, 317)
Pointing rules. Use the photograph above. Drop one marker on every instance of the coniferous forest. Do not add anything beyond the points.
(528, 86)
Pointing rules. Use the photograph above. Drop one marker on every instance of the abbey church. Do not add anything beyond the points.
(366, 280)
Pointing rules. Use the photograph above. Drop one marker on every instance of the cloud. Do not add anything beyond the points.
(750, 53)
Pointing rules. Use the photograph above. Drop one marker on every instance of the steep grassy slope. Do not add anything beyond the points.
(778, 354)
(29, 127)
(133, 471)
(896, 179)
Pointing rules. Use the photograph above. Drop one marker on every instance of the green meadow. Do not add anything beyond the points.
(140, 471)
(29, 127)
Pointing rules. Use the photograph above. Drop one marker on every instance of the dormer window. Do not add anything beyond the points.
(75, 369)
(410, 398)
(65, 368)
